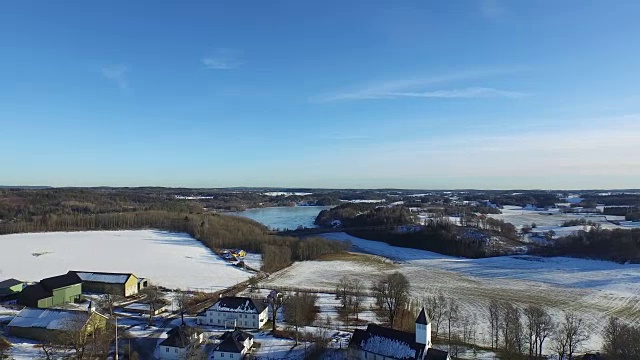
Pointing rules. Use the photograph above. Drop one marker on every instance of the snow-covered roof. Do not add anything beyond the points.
(138, 306)
(52, 319)
(388, 347)
(239, 304)
(395, 344)
(103, 277)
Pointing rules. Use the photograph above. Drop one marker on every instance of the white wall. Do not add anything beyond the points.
(217, 355)
(170, 353)
(242, 320)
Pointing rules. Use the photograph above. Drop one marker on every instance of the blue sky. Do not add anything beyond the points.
(424, 94)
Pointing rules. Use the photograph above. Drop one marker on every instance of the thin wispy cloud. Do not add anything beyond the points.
(471, 92)
(419, 87)
(579, 154)
(223, 59)
(491, 9)
(117, 74)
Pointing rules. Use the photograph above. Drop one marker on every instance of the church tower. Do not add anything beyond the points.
(423, 329)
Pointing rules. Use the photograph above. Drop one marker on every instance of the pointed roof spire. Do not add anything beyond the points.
(423, 318)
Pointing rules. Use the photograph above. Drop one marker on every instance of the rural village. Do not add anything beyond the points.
(75, 295)
(62, 314)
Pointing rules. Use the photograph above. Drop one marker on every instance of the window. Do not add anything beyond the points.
(176, 350)
(254, 316)
(231, 356)
(221, 354)
(365, 354)
(166, 349)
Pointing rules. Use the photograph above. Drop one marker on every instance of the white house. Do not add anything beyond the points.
(233, 345)
(181, 339)
(381, 343)
(235, 312)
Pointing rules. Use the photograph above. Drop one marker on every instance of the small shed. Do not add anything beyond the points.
(144, 309)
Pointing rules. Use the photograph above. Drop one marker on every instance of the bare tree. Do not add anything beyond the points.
(253, 284)
(512, 331)
(559, 343)
(621, 341)
(194, 350)
(182, 300)
(539, 326)
(154, 299)
(86, 336)
(276, 301)
(494, 321)
(574, 331)
(108, 302)
(392, 294)
(613, 338)
(436, 308)
(468, 327)
(50, 350)
(357, 297)
(299, 310)
(342, 289)
(453, 315)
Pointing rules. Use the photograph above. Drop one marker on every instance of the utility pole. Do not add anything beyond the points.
(116, 358)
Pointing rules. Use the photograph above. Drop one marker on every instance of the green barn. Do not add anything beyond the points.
(52, 291)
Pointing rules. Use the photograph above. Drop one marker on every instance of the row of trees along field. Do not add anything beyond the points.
(515, 332)
(620, 245)
(213, 230)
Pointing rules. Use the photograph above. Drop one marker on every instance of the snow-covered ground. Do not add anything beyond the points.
(595, 289)
(281, 193)
(253, 260)
(172, 260)
(520, 217)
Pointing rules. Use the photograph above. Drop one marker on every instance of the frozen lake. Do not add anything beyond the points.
(173, 260)
(281, 218)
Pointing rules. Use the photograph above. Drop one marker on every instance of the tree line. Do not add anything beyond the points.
(213, 230)
(620, 245)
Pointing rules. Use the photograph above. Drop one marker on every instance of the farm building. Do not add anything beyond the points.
(143, 284)
(237, 312)
(123, 284)
(52, 291)
(180, 340)
(47, 324)
(144, 309)
(10, 288)
(233, 345)
(381, 343)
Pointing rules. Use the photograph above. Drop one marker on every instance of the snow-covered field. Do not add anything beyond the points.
(595, 289)
(520, 217)
(172, 260)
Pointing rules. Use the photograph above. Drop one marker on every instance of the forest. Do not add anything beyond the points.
(363, 214)
(384, 223)
(96, 209)
(620, 245)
